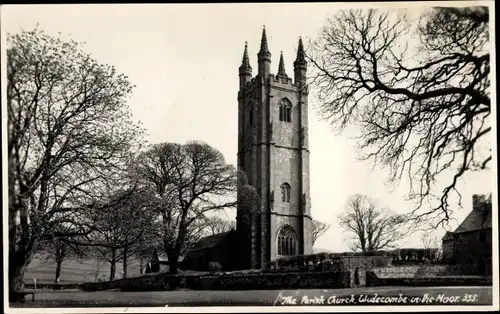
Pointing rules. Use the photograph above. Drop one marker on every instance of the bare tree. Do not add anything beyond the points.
(60, 249)
(68, 133)
(429, 240)
(57, 251)
(119, 227)
(190, 180)
(215, 225)
(422, 110)
(373, 228)
(319, 229)
(431, 244)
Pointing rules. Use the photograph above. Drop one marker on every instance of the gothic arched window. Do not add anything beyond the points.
(285, 110)
(285, 193)
(287, 241)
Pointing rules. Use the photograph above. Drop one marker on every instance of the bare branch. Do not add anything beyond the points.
(422, 112)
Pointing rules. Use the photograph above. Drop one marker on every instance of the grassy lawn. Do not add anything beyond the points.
(75, 271)
(254, 297)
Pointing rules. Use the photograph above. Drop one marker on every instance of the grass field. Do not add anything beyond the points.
(78, 271)
(75, 271)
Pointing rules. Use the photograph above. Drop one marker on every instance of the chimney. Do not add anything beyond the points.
(479, 201)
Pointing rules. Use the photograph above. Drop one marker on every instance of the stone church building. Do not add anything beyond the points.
(273, 152)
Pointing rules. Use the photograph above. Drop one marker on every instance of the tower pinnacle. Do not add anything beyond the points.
(300, 65)
(300, 61)
(245, 62)
(281, 67)
(245, 69)
(264, 49)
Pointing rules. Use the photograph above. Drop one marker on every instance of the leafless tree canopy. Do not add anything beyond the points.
(429, 241)
(373, 228)
(69, 131)
(423, 109)
(215, 225)
(319, 229)
(432, 245)
(190, 180)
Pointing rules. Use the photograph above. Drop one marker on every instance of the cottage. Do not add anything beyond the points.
(470, 244)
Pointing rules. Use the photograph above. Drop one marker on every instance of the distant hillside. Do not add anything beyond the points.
(76, 271)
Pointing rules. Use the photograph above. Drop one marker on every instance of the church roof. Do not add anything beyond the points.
(211, 241)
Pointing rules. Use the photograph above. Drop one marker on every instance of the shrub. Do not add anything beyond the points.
(214, 266)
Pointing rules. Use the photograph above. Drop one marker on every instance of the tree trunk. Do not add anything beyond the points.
(125, 261)
(16, 282)
(173, 260)
(112, 269)
(58, 271)
(18, 263)
(141, 265)
(174, 251)
(60, 255)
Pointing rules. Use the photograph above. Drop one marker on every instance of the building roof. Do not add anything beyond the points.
(448, 236)
(479, 218)
(211, 241)
(163, 258)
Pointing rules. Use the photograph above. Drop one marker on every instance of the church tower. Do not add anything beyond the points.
(273, 152)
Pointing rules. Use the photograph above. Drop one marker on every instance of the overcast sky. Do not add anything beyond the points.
(184, 60)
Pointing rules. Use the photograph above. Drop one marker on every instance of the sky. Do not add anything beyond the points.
(184, 62)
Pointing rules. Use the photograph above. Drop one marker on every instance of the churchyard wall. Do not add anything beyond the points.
(317, 271)
(419, 271)
(372, 280)
(327, 262)
(226, 281)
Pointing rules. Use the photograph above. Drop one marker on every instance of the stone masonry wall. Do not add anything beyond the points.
(223, 281)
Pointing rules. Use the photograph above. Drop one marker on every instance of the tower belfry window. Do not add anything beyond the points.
(285, 193)
(285, 110)
(287, 241)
